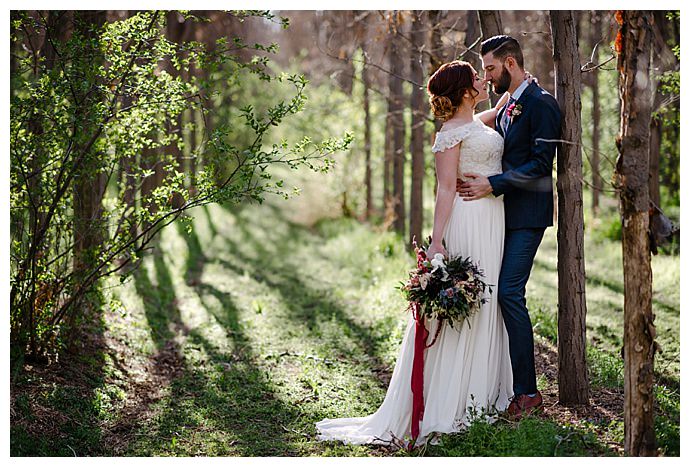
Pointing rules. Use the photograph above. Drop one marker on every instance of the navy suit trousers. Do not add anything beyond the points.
(520, 247)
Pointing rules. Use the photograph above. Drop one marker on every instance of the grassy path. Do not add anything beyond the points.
(235, 338)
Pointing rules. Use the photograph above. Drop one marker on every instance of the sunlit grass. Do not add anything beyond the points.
(267, 326)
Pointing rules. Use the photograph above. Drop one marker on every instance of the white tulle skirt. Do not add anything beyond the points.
(467, 372)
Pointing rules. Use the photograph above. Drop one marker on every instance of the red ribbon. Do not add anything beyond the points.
(417, 382)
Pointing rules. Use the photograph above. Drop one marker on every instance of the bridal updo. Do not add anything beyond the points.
(447, 86)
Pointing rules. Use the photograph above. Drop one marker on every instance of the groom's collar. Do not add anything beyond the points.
(520, 89)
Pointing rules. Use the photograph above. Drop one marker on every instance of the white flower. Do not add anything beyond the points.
(438, 262)
(424, 280)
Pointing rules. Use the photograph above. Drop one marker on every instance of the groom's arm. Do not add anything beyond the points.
(545, 124)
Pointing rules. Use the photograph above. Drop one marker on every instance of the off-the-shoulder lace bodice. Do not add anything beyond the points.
(481, 148)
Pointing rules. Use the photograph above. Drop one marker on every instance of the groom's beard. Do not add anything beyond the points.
(503, 82)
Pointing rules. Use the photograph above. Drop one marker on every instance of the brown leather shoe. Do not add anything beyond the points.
(522, 404)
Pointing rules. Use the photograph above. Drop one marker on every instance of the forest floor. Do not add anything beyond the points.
(235, 338)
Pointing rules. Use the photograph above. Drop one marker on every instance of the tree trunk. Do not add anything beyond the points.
(655, 131)
(89, 184)
(419, 114)
(438, 56)
(436, 60)
(396, 113)
(632, 177)
(597, 184)
(388, 159)
(490, 24)
(174, 31)
(56, 32)
(573, 386)
(472, 33)
(366, 82)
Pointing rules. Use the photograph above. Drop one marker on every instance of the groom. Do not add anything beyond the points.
(528, 119)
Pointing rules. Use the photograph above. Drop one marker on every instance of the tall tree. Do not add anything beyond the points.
(573, 386)
(396, 113)
(663, 60)
(437, 55)
(655, 132)
(595, 40)
(490, 25)
(419, 109)
(89, 187)
(388, 157)
(175, 31)
(634, 45)
(472, 34)
(366, 103)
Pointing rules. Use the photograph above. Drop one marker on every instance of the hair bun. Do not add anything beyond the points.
(448, 86)
(442, 107)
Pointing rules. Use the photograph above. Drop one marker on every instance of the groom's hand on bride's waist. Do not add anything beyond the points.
(474, 187)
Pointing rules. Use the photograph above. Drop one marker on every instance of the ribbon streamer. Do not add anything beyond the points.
(417, 382)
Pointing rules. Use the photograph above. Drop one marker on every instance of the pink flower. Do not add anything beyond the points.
(514, 110)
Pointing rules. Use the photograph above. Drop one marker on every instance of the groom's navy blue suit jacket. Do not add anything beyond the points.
(526, 181)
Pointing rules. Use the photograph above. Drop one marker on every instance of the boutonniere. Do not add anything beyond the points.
(514, 110)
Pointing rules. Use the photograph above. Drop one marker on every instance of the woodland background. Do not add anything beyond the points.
(210, 213)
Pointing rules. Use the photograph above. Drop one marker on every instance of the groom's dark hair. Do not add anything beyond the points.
(503, 47)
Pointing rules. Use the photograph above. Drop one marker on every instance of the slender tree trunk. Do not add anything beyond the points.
(491, 25)
(438, 56)
(366, 82)
(632, 176)
(656, 126)
(419, 114)
(472, 33)
(388, 159)
(396, 112)
(573, 386)
(192, 148)
(129, 164)
(597, 184)
(175, 30)
(43, 47)
(437, 59)
(655, 132)
(89, 186)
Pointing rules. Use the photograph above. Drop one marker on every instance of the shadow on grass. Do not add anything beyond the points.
(57, 408)
(232, 396)
(613, 286)
(305, 303)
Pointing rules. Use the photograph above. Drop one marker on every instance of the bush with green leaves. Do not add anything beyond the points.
(93, 178)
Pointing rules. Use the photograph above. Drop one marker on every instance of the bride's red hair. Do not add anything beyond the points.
(448, 85)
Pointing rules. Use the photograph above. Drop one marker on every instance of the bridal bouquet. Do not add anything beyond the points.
(447, 289)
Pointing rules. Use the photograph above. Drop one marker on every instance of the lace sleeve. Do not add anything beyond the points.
(449, 138)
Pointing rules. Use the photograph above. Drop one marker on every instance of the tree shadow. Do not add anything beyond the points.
(614, 286)
(54, 406)
(306, 304)
(237, 398)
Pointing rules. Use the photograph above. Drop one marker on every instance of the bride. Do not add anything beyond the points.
(467, 371)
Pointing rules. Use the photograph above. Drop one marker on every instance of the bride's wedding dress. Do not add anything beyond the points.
(467, 371)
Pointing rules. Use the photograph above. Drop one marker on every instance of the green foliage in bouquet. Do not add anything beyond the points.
(447, 289)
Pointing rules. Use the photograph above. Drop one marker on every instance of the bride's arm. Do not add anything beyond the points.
(446, 174)
(488, 117)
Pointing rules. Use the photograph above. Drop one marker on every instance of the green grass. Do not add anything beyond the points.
(248, 330)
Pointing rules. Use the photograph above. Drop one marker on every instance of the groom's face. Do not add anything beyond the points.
(496, 73)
